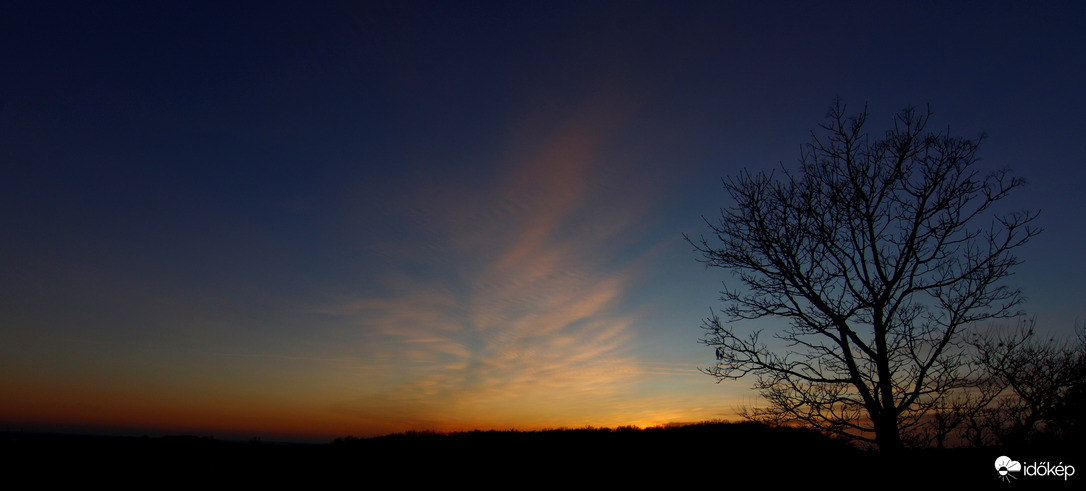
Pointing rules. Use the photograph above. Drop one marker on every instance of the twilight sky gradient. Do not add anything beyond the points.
(297, 221)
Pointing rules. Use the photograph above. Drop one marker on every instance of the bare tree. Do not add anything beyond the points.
(878, 252)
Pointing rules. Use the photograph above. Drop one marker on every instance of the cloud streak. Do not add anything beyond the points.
(521, 318)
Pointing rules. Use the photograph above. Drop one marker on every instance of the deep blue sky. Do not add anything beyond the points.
(359, 218)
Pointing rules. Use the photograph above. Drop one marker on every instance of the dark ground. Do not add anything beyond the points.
(715, 455)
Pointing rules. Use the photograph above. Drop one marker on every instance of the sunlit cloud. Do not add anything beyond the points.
(533, 326)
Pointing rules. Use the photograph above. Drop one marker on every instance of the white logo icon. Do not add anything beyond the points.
(1004, 465)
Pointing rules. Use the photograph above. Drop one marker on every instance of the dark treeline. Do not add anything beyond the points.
(697, 454)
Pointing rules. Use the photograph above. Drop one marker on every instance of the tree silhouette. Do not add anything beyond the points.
(1037, 387)
(878, 252)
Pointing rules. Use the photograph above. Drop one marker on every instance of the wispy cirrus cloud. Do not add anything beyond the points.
(521, 314)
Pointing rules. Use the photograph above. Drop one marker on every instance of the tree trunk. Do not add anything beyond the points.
(887, 435)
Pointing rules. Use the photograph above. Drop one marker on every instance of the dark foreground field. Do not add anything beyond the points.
(716, 456)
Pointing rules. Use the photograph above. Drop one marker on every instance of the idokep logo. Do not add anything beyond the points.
(1007, 468)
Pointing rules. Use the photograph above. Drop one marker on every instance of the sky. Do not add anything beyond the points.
(307, 221)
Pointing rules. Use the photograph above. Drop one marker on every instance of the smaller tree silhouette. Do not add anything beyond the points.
(877, 252)
(1037, 387)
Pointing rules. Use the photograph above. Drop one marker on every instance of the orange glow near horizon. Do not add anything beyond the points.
(241, 420)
